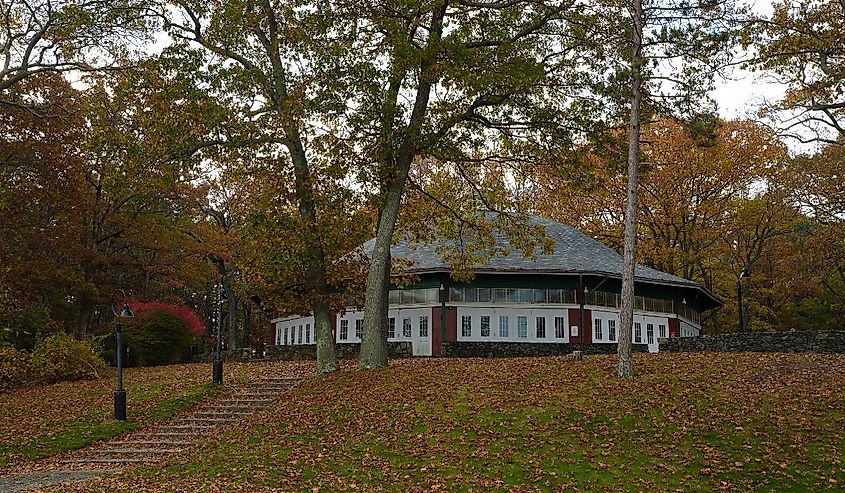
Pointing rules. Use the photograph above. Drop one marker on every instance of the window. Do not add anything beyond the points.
(485, 326)
(638, 333)
(503, 326)
(560, 328)
(424, 326)
(466, 325)
(598, 332)
(611, 330)
(307, 333)
(649, 332)
(524, 295)
(391, 328)
(541, 327)
(300, 335)
(406, 327)
(456, 294)
(483, 295)
(286, 336)
(661, 330)
(522, 327)
(344, 330)
(359, 328)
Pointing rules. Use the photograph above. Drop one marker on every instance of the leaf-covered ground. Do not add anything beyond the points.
(688, 422)
(44, 421)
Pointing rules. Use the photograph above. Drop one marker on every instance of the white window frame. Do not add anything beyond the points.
(611, 330)
(391, 328)
(423, 326)
(638, 333)
(466, 325)
(504, 326)
(359, 328)
(406, 327)
(522, 327)
(598, 333)
(344, 330)
(540, 327)
(485, 325)
(661, 331)
(649, 333)
(560, 327)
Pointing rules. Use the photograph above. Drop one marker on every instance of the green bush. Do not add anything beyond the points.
(62, 358)
(15, 369)
(157, 337)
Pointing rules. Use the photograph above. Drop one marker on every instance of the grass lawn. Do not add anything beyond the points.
(688, 422)
(44, 421)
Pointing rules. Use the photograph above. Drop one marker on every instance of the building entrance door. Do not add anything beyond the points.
(421, 340)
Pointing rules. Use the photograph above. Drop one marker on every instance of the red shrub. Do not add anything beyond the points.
(195, 326)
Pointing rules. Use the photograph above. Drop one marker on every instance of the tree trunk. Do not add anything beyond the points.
(374, 337)
(246, 333)
(626, 313)
(315, 272)
(234, 335)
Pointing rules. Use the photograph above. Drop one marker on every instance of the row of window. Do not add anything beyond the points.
(407, 326)
(602, 298)
(511, 295)
(412, 296)
(294, 335)
(649, 329)
(559, 325)
(503, 329)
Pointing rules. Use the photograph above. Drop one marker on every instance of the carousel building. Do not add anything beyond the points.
(570, 296)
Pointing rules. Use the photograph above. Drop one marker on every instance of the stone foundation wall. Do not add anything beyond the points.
(776, 342)
(344, 350)
(523, 349)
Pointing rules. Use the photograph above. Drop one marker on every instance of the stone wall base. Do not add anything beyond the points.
(808, 341)
(346, 350)
(492, 349)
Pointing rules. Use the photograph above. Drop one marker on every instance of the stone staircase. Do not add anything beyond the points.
(155, 443)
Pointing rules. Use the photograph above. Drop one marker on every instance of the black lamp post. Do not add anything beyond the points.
(742, 275)
(217, 371)
(120, 393)
(442, 316)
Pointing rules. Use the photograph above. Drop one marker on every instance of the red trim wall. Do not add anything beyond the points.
(451, 323)
(436, 343)
(673, 327)
(575, 319)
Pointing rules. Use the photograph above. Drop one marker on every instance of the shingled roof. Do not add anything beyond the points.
(574, 253)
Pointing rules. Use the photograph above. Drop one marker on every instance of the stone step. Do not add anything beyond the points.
(187, 427)
(217, 414)
(111, 461)
(234, 408)
(162, 443)
(129, 451)
(204, 420)
(169, 434)
(264, 396)
(246, 401)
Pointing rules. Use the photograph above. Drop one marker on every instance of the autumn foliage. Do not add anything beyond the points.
(195, 326)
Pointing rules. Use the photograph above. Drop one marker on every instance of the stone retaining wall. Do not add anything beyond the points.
(808, 341)
(523, 349)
